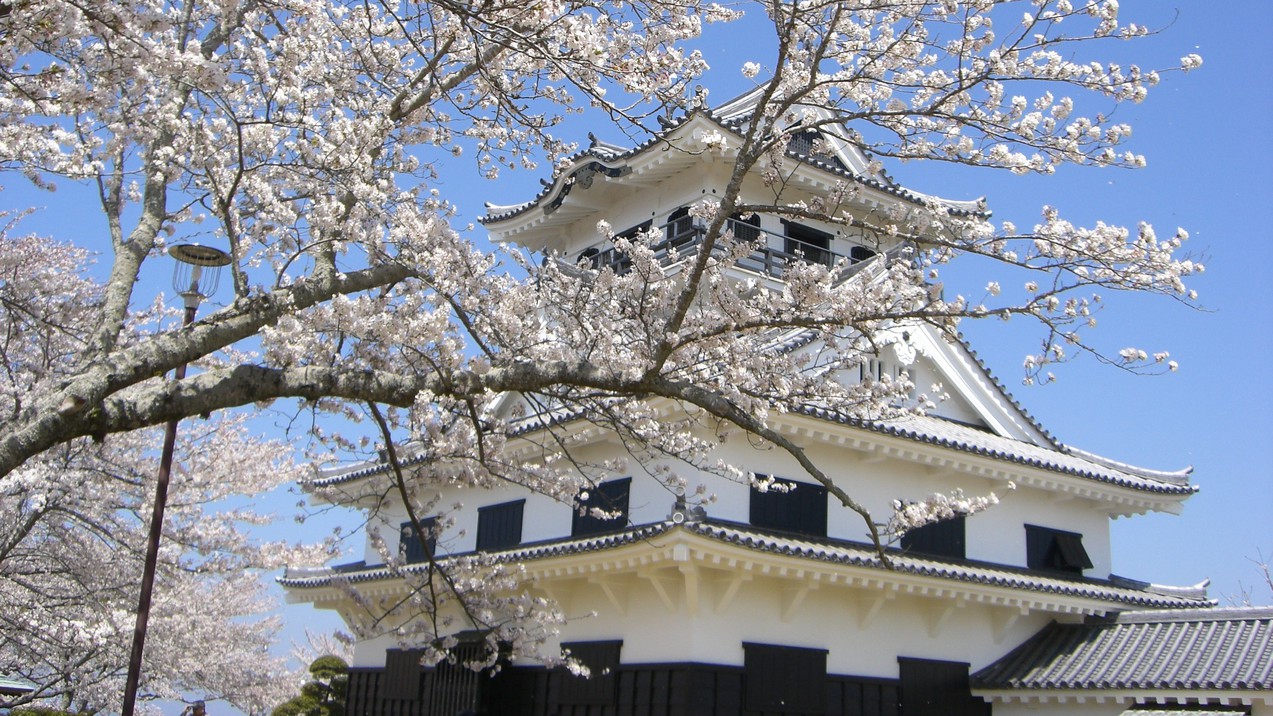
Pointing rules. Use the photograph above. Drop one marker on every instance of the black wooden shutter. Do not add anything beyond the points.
(500, 526)
(1055, 550)
(1069, 553)
(784, 679)
(943, 539)
(410, 546)
(937, 688)
(609, 496)
(402, 675)
(602, 660)
(801, 509)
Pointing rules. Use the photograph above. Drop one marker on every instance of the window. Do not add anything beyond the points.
(680, 228)
(592, 256)
(810, 244)
(1055, 550)
(602, 660)
(411, 548)
(940, 539)
(877, 369)
(803, 142)
(609, 496)
(745, 229)
(613, 259)
(801, 509)
(784, 679)
(937, 688)
(500, 526)
(860, 253)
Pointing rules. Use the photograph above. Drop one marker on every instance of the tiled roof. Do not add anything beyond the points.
(934, 431)
(1189, 650)
(821, 550)
(609, 156)
(324, 577)
(1217, 711)
(958, 436)
(858, 554)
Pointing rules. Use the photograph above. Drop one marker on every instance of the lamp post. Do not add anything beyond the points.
(194, 278)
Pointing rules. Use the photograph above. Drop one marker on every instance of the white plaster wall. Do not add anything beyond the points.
(625, 208)
(829, 618)
(543, 519)
(370, 653)
(826, 620)
(925, 375)
(996, 535)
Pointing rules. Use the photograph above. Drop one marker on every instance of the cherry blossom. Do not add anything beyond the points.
(311, 139)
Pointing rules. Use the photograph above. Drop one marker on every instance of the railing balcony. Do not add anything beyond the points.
(684, 237)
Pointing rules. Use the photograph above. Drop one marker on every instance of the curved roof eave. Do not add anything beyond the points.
(1100, 596)
(954, 436)
(614, 158)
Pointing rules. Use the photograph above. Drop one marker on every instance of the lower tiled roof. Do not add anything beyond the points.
(1181, 650)
(1184, 712)
(358, 573)
(831, 551)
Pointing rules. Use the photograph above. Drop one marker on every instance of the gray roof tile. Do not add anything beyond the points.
(947, 433)
(934, 431)
(1169, 711)
(1182, 650)
(609, 155)
(822, 550)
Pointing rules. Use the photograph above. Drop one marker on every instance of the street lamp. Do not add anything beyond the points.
(194, 278)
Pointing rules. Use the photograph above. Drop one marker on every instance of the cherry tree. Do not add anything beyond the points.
(310, 138)
(71, 551)
(72, 537)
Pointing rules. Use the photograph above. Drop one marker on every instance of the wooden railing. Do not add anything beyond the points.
(683, 237)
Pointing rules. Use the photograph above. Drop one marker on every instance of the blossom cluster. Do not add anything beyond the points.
(913, 514)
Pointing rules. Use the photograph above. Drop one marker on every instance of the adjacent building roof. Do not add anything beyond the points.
(1184, 651)
(1098, 595)
(1183, 712)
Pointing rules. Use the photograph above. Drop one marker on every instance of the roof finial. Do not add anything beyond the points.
(700, 97)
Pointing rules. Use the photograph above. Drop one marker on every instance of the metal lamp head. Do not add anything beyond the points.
(197, 271)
